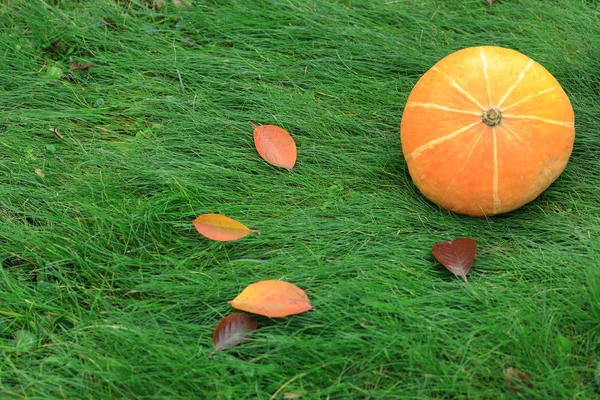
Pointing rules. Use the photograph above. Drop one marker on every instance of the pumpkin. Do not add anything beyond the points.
(486, 130)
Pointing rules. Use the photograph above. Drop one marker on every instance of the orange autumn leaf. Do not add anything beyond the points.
(272, 299)
(275, 145)
(221, 228)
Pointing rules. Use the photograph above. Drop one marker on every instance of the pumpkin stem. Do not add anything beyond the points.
(492, 117)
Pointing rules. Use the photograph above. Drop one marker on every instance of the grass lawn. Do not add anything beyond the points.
(108, 292)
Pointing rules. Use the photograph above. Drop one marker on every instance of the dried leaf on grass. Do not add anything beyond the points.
(456, 255)
(160, 4)
(76, 66)
(232, 330)
(181, 3)
(516, 380)
(272, 298)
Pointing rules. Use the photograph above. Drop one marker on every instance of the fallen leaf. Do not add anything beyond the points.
(491, 2)
(221, 228)
(516, 380)
(275, 145)
(39, 172)
(108, 22)
(272, 298)
(76, 66)
(181, 3)
(160, 4)
(156, 4)
(456, 255)
(232, 330)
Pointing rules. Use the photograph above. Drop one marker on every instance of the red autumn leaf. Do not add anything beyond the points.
(456, 255)
(275, 145)
(232, 330)
(221, 228)
(272, 299)
(516, 380)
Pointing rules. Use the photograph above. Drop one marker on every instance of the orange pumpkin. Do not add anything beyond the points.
(486, 130)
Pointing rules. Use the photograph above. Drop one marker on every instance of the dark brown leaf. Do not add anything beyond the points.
(108, 22)
(55, 50)
(516, 380)
(76, 66)
(232, 330)
(456, 255)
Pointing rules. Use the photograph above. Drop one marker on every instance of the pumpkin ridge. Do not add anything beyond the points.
(496, 195)
(459, 88)
(541, 92)
(467, 158)
(517, 82)
(432, 143)
(549, 121)
(487, 78)
(440, 107)
(510, 133)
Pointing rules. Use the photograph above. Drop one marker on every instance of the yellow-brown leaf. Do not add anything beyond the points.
(221, 228)
(272, 298)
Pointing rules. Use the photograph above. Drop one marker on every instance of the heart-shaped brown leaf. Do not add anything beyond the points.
(221, 228)
(275, 299)
(456, 255)
(275, 145)
(232, 330)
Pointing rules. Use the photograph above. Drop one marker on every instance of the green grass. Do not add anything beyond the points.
(107, 291)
